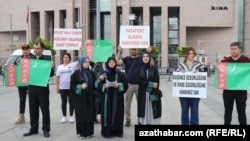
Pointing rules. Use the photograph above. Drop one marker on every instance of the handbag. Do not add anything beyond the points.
(79, 89)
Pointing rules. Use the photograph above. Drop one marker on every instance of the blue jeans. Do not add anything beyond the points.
(189, 105)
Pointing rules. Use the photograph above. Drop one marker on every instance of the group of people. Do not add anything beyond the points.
(109, 92)
(190, 106)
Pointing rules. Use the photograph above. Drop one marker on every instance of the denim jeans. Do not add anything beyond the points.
(189, 111)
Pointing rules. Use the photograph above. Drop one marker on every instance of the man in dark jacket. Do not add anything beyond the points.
(39, 97)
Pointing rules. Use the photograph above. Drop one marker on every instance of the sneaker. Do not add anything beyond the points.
(63, 120)
(71, 119)
(127, 124)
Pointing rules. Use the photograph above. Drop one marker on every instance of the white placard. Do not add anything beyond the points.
(134, 36)
(189, 84)
(67, 39)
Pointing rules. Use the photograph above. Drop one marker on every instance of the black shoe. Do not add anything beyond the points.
(29, 133)
(127, 124)
(46, 133)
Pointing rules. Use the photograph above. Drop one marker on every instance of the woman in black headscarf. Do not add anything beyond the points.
(112, 107)
(82, 85)
(149, 106)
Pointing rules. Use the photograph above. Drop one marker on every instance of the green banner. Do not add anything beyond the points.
(18, 75)
(98, 50)
(38, 73)
(232, 76)
(103, 49)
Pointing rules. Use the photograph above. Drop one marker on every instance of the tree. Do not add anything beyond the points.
(47, 45)
(182, 50)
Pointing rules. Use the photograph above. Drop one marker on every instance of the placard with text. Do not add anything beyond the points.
(189, 84)
(134, 36)
(67, 39)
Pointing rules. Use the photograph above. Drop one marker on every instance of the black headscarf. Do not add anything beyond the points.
(146, 65)
(111, 72)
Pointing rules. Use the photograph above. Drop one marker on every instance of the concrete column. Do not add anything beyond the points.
(114, 25)
(42, 24)
(126, 10)
(146, 15)
(164, 35)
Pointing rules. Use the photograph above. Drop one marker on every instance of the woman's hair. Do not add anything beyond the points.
(187, 53)
(67, 55)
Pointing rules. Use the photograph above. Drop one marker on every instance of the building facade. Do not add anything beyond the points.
(247, 27)
(209, 26)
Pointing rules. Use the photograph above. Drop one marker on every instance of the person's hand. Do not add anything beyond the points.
(149, 49)
(155, 85)
(196, 71)
(52, 64)
(116, 85)
(84, 85)
(107, 86)
(18, 60)
(57, 90)
(101, 77)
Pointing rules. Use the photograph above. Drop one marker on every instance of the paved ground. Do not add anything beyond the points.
(211, 113)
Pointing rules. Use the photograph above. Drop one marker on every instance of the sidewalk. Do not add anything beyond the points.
(211, 112)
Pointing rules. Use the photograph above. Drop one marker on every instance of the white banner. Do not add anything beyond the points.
(67, 39)
(134, 36)
(189, 84)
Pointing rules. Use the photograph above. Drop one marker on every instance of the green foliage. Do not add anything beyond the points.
(47, 45)
(154, 52)
(181, 50)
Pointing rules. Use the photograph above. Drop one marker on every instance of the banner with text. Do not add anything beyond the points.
(134, 36)
(67, 39)
(189, 84)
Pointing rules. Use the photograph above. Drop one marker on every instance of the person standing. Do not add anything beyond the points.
(131, 65)
(239, 96)
(63, 74)
(82, 84)
(114, 86)
(39, 97)
(189, 106)
(149, 107)
(203, 67)
(23, 90)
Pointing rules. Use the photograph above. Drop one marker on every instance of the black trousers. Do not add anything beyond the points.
(66, 96)
(39, 98)
(22, 91)
(240, 97)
